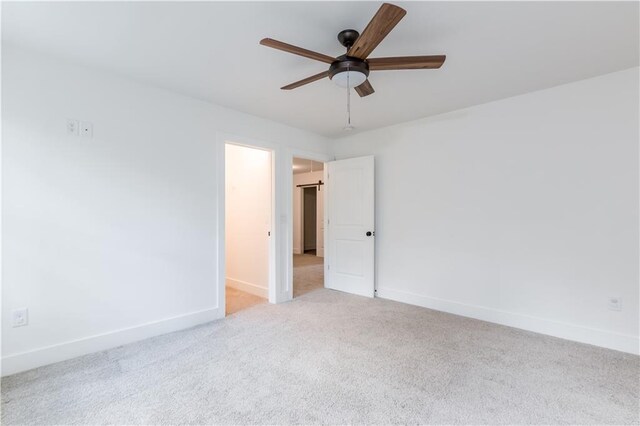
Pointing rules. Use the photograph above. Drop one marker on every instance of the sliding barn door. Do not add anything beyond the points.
(349, 249)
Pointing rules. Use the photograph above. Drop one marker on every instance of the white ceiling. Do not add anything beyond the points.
(301, 165)
(210, 51)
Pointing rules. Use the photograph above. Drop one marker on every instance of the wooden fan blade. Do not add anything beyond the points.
(365, 89)
(381, 24)
(275, 44)
(406, 63)
(306, 80)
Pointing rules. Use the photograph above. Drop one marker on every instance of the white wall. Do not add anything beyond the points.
(522, 211)
(114, 238)
(247, 218)
(303, 179)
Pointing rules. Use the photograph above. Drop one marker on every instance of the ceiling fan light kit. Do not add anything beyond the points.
(349, 79)
(351, 70)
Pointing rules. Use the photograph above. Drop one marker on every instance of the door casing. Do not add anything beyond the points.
(281, 244)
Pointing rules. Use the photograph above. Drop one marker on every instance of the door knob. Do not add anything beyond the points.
(369, 233)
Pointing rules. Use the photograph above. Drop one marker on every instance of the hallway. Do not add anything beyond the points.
(308, 273)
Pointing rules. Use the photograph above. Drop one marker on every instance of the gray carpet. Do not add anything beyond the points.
(329, 357)
(308, 273)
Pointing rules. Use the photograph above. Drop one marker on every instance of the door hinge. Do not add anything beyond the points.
(269, 233)
(328, 267)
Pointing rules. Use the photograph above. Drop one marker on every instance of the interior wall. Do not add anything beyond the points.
(112, 238)
(247, 218)
(303, 179)
(522, 211)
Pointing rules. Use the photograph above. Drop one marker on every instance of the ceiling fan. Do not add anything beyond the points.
(352, 69)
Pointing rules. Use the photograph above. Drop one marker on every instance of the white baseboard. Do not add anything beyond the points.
(16, 363)
(297, 251)
(607, 339)
(248, 287)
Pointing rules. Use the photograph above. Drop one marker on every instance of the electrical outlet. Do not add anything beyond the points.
(20, 317)
(72, 127)
(615, 303)
(86, 129)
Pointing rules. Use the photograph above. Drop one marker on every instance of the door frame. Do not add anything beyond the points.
(281, 248)
(222, 139)
(288, 252)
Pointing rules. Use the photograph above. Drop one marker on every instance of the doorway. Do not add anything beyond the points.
(308, 229)
(248, 221)
(347, 181)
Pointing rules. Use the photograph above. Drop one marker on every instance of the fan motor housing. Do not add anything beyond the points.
(348, 37)
(348, 63)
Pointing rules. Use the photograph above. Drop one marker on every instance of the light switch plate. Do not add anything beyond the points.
(72, 127)
(86, 129)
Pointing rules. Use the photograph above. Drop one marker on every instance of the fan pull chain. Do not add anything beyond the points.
(348, 126)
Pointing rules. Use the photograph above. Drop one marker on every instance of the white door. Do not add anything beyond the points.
(349, 248)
